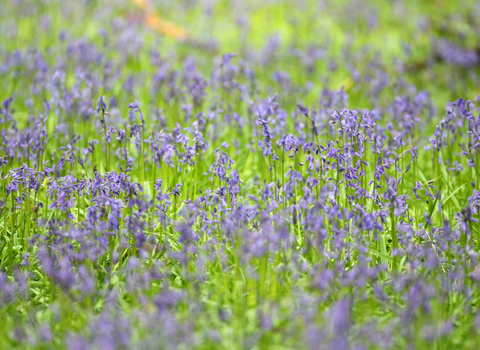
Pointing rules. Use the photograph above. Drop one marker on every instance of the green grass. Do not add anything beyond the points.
(214, 291)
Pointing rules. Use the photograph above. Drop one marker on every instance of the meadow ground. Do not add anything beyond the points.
(275, 174)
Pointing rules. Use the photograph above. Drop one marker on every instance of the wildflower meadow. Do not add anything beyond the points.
(224, 174)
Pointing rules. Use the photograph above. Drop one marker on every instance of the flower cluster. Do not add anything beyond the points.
(148, 201)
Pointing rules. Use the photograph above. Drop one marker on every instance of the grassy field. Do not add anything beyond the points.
(287, 175)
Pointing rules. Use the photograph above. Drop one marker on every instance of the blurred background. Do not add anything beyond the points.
(290, 44)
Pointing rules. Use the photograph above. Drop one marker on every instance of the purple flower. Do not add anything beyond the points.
(101, 106)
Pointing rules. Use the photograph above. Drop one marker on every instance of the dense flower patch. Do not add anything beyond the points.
(150, 202)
